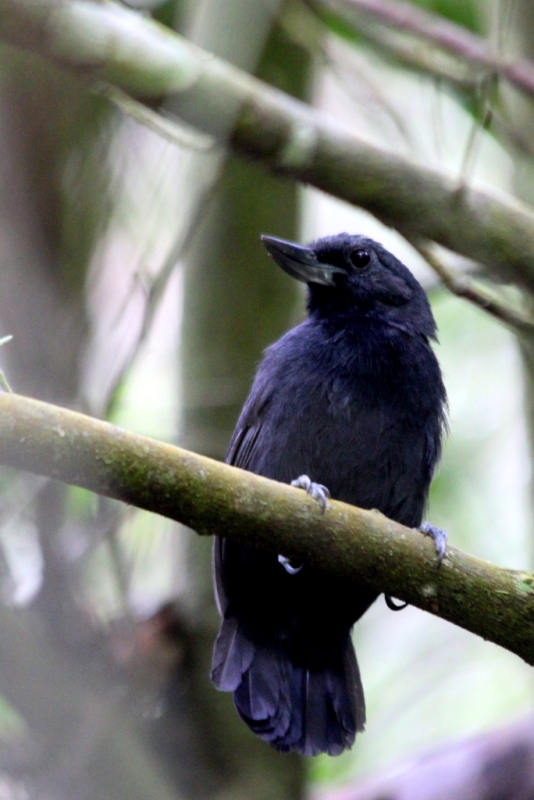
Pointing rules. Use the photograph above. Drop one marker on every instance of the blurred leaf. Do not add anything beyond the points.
(464, 12)
(339, 26)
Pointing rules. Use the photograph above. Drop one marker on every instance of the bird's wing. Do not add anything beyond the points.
(240, 453)
(217, 555)
(242, 444)
(249, 424)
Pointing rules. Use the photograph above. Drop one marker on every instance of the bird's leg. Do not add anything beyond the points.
(315, 490)
(438, 536)
(319, 493)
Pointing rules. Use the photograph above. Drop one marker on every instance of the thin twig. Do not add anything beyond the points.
(155, 294)
(459, 74)
(463, 287)
(171, 129)
(432, 63)
(442, 33)
(4, 383)
(478, 127)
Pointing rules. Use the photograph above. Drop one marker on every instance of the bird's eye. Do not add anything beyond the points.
(360, 258)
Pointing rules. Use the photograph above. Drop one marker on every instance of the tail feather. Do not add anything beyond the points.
(232, 656)
(260, 688)
(322, 730)
(351, 715)
(263, 700)
(294, 706)
(334, 707)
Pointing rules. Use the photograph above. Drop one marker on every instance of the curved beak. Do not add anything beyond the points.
(300, 262)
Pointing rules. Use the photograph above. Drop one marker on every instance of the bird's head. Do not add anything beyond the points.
(352, 276)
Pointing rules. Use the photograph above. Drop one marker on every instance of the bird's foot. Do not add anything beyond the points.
(438, 536)
(315, 490)
(319, 493)
(292, 569)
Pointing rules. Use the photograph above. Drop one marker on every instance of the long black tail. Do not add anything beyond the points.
(293, 701)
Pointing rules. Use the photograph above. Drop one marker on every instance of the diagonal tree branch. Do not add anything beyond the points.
(214, 498)
(107, 42)
(460, 285)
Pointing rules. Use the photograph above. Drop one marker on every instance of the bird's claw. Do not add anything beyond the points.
(438, 536)
(319, 493)
(390, 602)
(288, 566)
(315, 490)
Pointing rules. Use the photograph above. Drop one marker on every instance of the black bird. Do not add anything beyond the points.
(353, 398)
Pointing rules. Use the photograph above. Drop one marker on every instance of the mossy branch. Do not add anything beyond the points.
(214, 498)
(106, 42)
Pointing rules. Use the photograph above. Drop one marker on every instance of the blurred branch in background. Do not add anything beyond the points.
(286, 136)
(103, 743)
(433, 29)
(496, 766)
(463, 287)
(346, 22)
